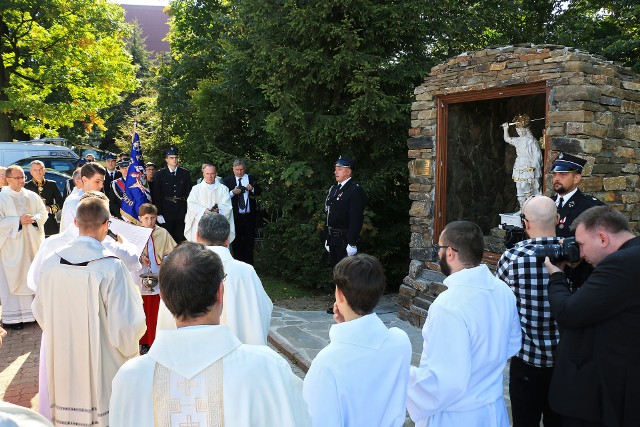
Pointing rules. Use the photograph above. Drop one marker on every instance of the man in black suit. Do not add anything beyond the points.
(71, 183)
(112, 175)
(171, 187)
(242, 190)
(596, 378)
(48, 192)
(345, 213)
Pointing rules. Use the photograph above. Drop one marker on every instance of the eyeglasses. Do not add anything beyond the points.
(522, 217)
(437, 247)
(19, 178)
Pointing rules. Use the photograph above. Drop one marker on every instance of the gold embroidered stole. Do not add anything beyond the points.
(195, 402)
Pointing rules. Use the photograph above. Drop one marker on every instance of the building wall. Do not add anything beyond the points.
(593, 111)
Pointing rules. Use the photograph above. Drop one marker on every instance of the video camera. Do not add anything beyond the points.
(568, 250)
(513, 235)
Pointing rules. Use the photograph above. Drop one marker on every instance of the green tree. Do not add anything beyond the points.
(61, 61)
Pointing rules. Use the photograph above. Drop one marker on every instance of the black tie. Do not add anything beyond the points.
(560, 202)
(113, 176)
(241, 203)
(173, 173)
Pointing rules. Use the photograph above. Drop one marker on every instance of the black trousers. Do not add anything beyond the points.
(243, 243)
(529, 394)
(175, 227)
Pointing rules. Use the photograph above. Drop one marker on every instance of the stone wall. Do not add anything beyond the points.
(593, 111)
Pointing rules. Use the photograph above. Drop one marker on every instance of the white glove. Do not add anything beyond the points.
(326, 246)
(160, 219)
(351, 250)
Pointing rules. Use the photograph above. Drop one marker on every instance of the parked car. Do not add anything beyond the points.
(59, 177)
(84, 150)
(11, 152)
(61, 164)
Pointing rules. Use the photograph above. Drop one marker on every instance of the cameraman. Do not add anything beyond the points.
(596, 380)
(531, 369)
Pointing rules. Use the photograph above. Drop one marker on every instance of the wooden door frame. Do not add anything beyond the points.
(442, 121)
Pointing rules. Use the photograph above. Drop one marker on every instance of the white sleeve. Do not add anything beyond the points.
(321, 395)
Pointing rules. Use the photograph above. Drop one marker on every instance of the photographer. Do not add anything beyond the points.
(520, 268)
(596, 380)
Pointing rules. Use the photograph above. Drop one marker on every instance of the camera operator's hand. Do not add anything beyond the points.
(553, 268)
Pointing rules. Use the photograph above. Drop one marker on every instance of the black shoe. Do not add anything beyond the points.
(144, 349)
(14, 326)
(330, 310)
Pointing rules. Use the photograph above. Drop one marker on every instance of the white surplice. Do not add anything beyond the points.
(471, 330)
(69, 208)
(204, 196)
(246, 308)
(92, 320)
(233, 384)
(126, 251)
(18, 246)
(360, 378)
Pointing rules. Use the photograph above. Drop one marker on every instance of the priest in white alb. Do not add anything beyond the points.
(247, 307)
(201, 374)
(93, 319)
(121, 248)
(22, 218)
(208, 196)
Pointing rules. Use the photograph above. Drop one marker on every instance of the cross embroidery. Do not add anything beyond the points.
(186, 385)
(189, 423)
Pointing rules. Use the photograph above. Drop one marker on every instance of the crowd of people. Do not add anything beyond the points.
(175, 333)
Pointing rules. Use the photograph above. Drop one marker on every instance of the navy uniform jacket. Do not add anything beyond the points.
(345, 210)
(171, 192)
(50, 195)
(596, 374)
(570, 210)
(114, 202)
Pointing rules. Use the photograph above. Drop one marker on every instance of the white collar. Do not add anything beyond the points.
(342, 184)
(567, 196)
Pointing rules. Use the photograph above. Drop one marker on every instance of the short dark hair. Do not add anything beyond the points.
(147, 208)
(92, 212)
(361, 279)
(90, 169)
(605, 217)
(467, 238)
(190, 277)
(213, 229)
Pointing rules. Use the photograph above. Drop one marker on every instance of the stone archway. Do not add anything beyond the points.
(460, 167)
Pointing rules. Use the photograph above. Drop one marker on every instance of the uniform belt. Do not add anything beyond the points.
(336, 231)
(174, 199)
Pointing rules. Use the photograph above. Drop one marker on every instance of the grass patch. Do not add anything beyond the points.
(278, 289)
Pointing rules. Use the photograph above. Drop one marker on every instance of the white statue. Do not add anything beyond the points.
(527, 169)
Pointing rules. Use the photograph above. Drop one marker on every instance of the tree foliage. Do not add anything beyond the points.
(61, 62)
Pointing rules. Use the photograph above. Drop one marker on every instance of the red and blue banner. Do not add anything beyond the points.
(136, 191)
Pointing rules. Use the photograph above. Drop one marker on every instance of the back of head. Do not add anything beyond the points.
(602, 218)
(213, 229)
(467, 238)
(90, 169)
(95, 194)
(190, 277)
(92, 213)
(541, 212)
(361, 279)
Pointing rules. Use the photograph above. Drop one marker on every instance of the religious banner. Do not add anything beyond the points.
(136, 190)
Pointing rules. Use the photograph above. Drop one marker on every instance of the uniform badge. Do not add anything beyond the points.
(571, 204)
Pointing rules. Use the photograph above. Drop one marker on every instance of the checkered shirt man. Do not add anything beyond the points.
(528, 278)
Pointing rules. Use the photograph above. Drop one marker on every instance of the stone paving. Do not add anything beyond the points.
(19, 358)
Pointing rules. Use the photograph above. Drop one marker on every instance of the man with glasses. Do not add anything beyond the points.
(22, 219)
(48, 192)
(530, 371)
(472, 329)
(92, 320)
(171, 187)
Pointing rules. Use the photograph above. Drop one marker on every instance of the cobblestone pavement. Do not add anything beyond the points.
(19, 358)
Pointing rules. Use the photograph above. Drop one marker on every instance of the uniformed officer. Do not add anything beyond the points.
(112, 174)
(48, 192)
(171, 187)
(345, 213)
(571, 202)
(118, 189)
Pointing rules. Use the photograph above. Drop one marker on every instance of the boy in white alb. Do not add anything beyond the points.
(160, 244)
(360, 378)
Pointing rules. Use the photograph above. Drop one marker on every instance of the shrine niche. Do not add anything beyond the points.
(462, 168)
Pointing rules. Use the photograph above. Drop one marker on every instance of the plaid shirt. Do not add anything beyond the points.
(528, 278)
